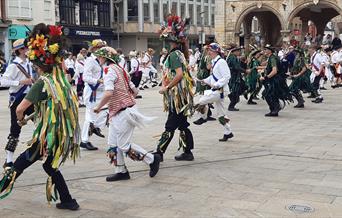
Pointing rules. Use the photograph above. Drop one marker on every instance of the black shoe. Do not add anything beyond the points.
(233, 109)
(211, 118)
(299, 106)
(88, 146)
(146, 87)
(138, 96)
(72, 205)
(160, 84)
(200, 121)
(226, 137)
(185, 156)
(251, 102)
(141, 88)
(318, 100)
(271, 114)
(154, 167)
(334, 86)
(97, 131)
(245, 95)
(154, 85)
(81, 105)
(323, 88)
(311, 96)
(7, 165)
(118, 177)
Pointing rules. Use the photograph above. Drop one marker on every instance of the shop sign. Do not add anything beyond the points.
(18, 32)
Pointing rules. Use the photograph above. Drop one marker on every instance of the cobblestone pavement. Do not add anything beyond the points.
(270, 164)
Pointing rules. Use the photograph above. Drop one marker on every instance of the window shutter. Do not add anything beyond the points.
(25, 8)
(13, 8)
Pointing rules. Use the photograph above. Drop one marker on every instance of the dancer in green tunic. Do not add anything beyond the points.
(300, 75)
(253, 76)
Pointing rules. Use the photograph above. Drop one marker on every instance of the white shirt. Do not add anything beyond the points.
(316, 60)
(122, 62)
(147, 60)
(134, 65)
(79, 69)
(192, 61)
(13, 75)
(197, 55)
(221, 72)
(336, 57)
(69, 63)
(92, 71)
(110, 78)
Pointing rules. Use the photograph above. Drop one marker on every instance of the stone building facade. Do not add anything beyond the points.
(233, 19)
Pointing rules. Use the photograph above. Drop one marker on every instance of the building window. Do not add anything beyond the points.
(165, 9)
(156, 11)
(19, 9)
(182, 7)
(199, 15)
(146, 10)
(212, 16)
(87, 13)
(47, 9)
(206, 16)
(103, 10)
(132, 13)
(191, 13)
(67, 12)
(174, 8)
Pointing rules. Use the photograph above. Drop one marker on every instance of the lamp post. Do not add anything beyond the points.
(117, 8)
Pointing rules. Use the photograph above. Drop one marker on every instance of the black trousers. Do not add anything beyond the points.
(136, 78)
(234, 99)
(15, 129)
(30, 156)
(179, 121)
(273, 103)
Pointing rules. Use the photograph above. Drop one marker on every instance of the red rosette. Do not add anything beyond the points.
(55, 30)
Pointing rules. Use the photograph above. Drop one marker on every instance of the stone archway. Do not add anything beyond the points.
(271, 23)
(320, 13)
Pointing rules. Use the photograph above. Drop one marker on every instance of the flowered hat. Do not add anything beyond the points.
(269, 47)
(45, 47)
(174, 29)
(109, 53)
(96, 44)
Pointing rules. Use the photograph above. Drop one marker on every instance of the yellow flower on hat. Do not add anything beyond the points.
(40, 41)
(53, 48)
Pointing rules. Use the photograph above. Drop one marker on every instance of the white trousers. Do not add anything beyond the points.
(121, 128)
(99, 120)
(211, 97)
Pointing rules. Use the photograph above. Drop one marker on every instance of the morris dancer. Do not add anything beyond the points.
(56, 137)
(18, 76)
(318, 72)
(253, 76)
(177, 89)
(237, 85)
(93, 91)
(123, 115)
(300, 75)
(218, 81)
(274, 81)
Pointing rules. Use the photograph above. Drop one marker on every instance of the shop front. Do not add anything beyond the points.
(79, 37)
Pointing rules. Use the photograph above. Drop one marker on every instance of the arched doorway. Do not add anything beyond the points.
(269, 25)
(311, 15)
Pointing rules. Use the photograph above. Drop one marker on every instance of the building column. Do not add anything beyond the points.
(111, 13)
(141, 15)
(125, 11)
(170, 5)
(178, 8)
(161, 14)
(187, 8)
(151, 11)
